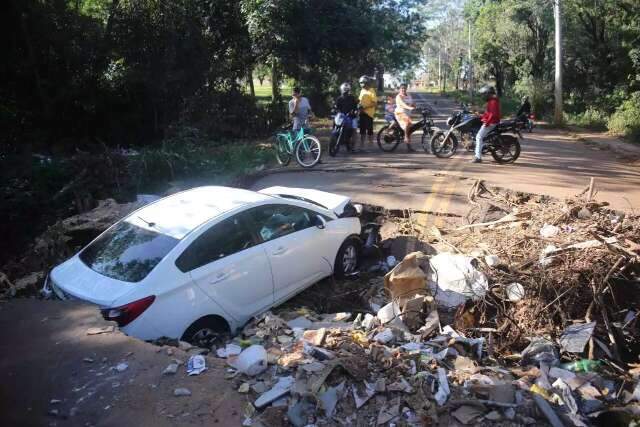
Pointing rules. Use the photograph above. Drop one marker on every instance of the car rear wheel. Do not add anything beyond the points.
(347, 258)
(207, 332)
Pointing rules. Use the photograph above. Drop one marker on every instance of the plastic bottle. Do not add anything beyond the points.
(584, 365)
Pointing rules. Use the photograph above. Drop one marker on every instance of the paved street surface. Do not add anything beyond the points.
(54, 374)
(552, 162)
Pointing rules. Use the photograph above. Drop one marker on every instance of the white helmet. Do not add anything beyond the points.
(345, 88)
(363, 79)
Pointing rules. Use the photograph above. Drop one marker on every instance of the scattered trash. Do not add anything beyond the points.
(281, 388)
(584, 365)
(549, 230)
(252, 361)
(121, 367)
(492, 260)
(514, 292)
(540, 350)
(171, 369)
(454, 280)
(229, 350)
(575, 338)
(181, 392)
(102, 330)
(391, 261)
(196, 365)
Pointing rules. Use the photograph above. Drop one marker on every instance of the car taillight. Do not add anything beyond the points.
(127, 313)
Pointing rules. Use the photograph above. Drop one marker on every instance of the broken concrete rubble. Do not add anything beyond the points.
(443, 338)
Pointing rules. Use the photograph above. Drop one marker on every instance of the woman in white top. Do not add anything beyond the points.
(404, 105)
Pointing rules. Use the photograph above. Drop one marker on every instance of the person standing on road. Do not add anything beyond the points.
(490, 119)
(404, 105)
(347, 104)
(368, 101)
(299, 109)
(525, 107)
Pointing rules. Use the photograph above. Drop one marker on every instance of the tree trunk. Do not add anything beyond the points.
(275, 82)
(252, 89)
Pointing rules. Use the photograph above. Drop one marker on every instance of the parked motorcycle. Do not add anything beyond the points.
(342, 132)
(391, 134)
(503, 142)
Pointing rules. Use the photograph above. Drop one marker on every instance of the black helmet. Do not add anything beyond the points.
(487, 90)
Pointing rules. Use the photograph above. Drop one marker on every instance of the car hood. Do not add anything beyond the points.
(331, 201)
(78, 281)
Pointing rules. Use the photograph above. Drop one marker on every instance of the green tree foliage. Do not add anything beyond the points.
(601, 63)
(321, 42)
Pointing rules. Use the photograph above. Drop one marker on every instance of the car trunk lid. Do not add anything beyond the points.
(77, 281)
(331, 201)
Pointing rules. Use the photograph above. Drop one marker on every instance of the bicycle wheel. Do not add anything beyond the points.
(389, 137)
(443, 146)
(308, 151)
(281, 146)
(506, 149)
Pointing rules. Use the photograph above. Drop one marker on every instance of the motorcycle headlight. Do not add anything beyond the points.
(449, 121)
(339, 119)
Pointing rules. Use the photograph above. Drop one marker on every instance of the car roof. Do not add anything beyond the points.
(179, 214)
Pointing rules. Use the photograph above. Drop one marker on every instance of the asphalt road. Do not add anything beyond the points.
(552, 162)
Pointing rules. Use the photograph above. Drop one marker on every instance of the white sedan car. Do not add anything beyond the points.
(205, 261)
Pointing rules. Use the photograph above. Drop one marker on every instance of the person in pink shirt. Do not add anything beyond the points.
(490, 119)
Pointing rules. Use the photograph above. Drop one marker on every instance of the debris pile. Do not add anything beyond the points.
(525, 316)
(24, 276)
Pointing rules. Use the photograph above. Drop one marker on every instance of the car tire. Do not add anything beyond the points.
(348, 257)
(206, 332)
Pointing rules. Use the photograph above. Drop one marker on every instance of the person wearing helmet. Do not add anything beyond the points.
(525, 107)
(346, 102)
(490, 119)
(368, 102)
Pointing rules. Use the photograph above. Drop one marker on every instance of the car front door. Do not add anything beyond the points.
(294, 245)
(229, 265)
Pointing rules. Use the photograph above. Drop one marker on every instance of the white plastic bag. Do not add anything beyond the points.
(454, 280)
(252, 361)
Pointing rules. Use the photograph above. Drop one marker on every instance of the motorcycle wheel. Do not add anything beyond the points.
(506, 149)
(334, 145)
(442, 146)
(389, 138)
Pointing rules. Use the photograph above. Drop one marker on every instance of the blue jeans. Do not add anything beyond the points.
(484, 130)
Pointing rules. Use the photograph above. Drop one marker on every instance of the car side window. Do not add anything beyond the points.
(273, 221)
(223, 239)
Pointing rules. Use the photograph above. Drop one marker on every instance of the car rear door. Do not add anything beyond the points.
(229, 265)
(294, 244)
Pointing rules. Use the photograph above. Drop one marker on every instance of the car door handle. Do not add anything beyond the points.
(279, 251)
(219, 278)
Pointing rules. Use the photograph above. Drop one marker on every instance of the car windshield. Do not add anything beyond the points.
(127, 252)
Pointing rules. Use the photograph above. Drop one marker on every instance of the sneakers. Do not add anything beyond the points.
(476, 160)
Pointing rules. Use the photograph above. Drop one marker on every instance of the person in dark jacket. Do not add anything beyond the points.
(525, 107)
(490, 119)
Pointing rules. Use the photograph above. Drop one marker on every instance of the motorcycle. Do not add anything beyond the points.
(342, 132)
(526, 121)
(392, 134)
(501, 143)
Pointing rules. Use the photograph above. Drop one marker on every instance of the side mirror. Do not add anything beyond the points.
(321, 223)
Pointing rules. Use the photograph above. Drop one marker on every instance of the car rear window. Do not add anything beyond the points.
(127, 252)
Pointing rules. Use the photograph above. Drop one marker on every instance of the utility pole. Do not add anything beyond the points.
(557, 13)
(470, 70)
(440, 67)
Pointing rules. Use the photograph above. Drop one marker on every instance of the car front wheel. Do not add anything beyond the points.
(347, 258)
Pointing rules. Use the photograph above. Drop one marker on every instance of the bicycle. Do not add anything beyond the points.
(299, 143)
(391, 134)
